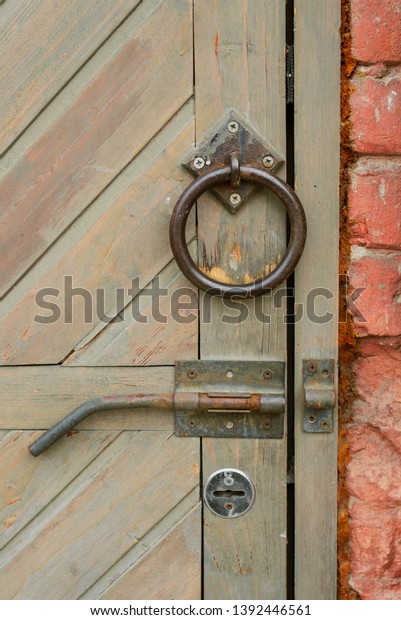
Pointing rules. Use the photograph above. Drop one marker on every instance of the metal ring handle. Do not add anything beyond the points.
(263, 284)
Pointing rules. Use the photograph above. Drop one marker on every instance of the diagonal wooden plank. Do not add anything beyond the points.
(108, 515)
(128, 240)
(152, 330)
(43, 43)
(63, 495)
(26, 487)
(50, 392)
(149, 541)
(106, 123)
(120, 184)
(178, 553)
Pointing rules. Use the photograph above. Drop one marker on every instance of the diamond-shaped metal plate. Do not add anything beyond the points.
(233, 135)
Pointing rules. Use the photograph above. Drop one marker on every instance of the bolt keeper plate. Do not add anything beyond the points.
(229, 399)
(233, 135)
(319, 395)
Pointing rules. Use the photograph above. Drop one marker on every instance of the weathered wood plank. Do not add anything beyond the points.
(171, 570)
(239, 63)
(43, 43)
(108, 515)
(151, 331)
(106, 122)
(244, 557)
(26, 487)
(36, 397)
(19, 535)
(317, 136)
(128, 239)
(136, 553)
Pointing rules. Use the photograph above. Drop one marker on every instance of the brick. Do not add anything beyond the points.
(375, 204)
(376, 114)
(375, 550)
(377, 277)
(376, 30)
(379, 590)
(374, 471)
(377, 378)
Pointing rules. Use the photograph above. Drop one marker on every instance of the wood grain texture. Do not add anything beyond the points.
(171, 570)
(77, 539)
(146, 66)
(26, 487)
(36, 397)
(244, 557)
(43, 43)
(127, 239)
(239, 56)
(152, 330)
(124, 566)
(317, 135)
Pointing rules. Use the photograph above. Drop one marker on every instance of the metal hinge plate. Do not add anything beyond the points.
(230, 399)
(232, 134)
(320, 397)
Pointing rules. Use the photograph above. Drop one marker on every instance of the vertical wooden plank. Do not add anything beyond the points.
(317, 136)
(239, 56)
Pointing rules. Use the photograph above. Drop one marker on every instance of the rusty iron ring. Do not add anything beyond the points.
(263, 284)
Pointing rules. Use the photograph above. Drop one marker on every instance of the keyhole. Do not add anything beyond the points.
(228, 493)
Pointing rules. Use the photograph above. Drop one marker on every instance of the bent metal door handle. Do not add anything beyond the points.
(219, 399)
(211, 399)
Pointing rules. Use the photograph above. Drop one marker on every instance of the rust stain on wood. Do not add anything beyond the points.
(216, 44)
(13, 501)
(236, 252)
(8, 522)
(218, 273)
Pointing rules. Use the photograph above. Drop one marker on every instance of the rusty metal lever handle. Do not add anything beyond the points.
(252, 174)
(107, 403)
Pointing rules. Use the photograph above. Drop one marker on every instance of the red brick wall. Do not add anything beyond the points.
(374, 208)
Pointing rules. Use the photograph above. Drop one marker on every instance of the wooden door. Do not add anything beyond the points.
(100, 103)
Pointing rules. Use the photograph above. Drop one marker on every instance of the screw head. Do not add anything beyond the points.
(311, 367)
(268, 161)
(191, 373)
(324, 425)
(312, 419)
(267, 374)
(266, 426)
(235, 198)
(191, 423)
(199, 162)
(233, 127)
